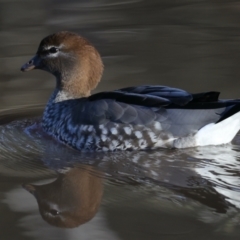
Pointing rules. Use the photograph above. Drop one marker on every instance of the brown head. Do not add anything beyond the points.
(72, 199)
(74, 62)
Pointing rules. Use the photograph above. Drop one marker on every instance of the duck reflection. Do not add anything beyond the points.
(206, 176)
(72, 199)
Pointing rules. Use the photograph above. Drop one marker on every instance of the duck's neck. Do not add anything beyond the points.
(54, 112)
(72, 88)
(63, 95)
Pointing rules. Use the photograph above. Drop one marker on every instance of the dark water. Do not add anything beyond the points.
(49, 191)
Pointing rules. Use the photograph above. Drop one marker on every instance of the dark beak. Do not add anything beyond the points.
(32, 64)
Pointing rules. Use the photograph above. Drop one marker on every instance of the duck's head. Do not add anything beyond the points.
(74, 62)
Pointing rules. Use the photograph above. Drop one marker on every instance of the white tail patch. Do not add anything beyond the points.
(220, 133)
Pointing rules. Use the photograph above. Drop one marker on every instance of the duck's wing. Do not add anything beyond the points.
(177, 111)
(174, 95)
(156, 95)
(134, 98)
(137, 105)
(147, 96)
(108, 110)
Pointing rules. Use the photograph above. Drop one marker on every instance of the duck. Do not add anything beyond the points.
(132, 118)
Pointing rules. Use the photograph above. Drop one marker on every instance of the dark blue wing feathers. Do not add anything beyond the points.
(174, 95)
(145, 104)
(151, 96)
(132, 98)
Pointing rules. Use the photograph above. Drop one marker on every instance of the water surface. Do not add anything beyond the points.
(49, 191)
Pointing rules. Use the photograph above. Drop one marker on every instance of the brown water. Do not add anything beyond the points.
(167, 194)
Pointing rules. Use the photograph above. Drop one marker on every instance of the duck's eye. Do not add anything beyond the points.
(54, 212)
(53, 50)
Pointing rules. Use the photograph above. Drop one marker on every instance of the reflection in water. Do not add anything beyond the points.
(200, 182)
(72, 199)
